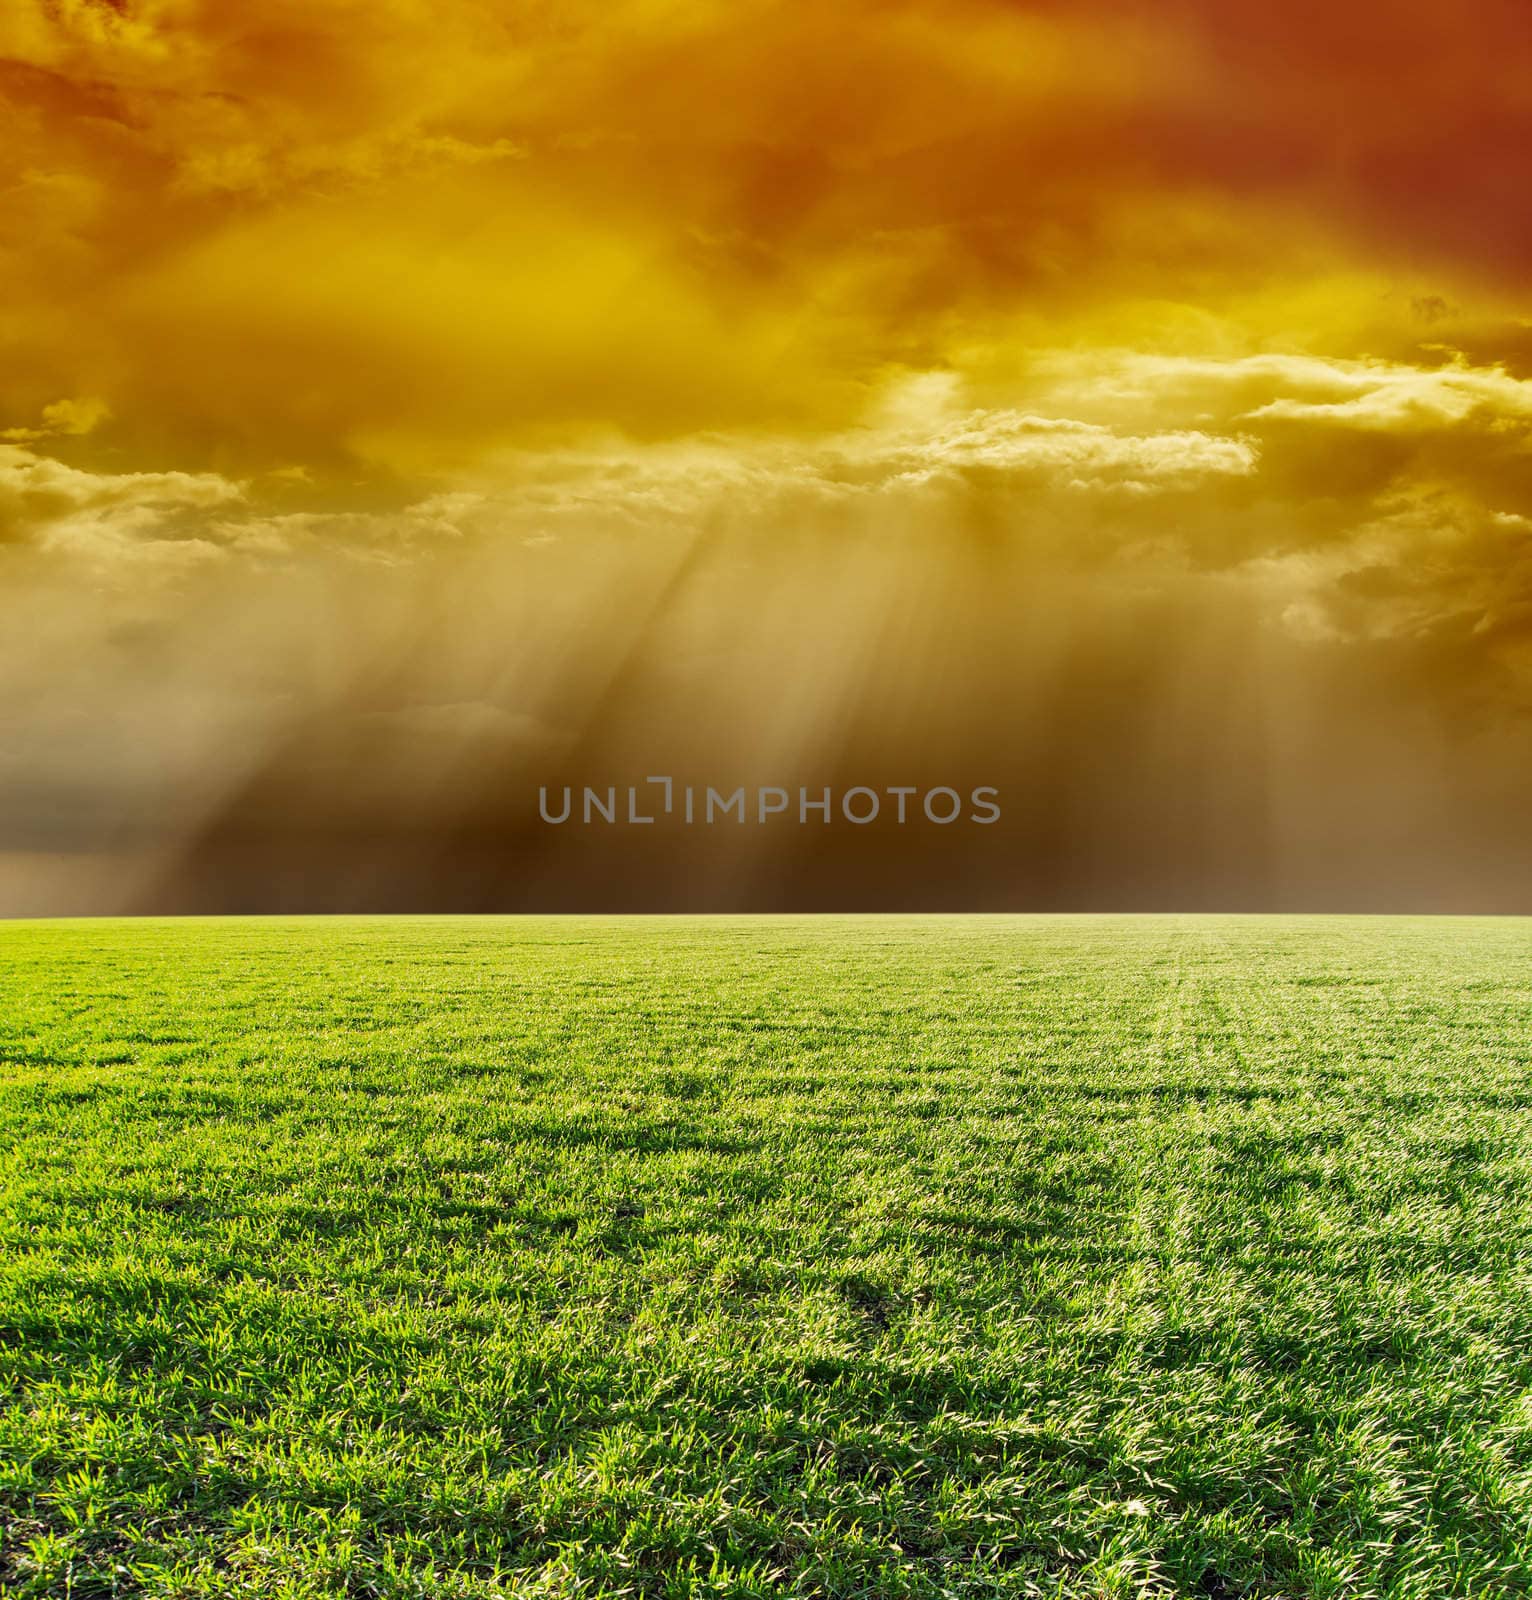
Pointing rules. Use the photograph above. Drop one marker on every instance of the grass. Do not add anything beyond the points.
(894, 1257)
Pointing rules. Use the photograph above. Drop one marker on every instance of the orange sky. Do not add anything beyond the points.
(425, 381)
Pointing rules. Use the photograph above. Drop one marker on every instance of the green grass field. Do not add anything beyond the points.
(836, 1256)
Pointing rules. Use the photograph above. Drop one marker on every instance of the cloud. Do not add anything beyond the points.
(1361, 391)
(66, 418)
(757, 484)
(1270, 486)
(397, 236)
(1080, 455)
(1399, 399)
(46, 503)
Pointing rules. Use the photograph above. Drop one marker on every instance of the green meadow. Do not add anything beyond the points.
(735, 1257)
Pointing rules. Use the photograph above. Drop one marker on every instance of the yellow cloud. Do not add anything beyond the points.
(64, 508)
(1406, 399)
(63, 417)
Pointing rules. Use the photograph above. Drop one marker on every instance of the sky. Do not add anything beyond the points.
(407, 405)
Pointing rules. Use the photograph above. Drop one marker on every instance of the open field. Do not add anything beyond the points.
(740, 1257)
